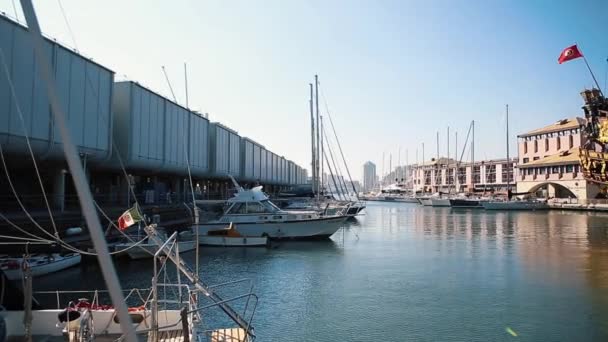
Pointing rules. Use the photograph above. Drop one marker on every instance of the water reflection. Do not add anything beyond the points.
(433, 274)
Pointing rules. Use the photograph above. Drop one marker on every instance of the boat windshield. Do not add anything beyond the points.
(260, 207)
(269, 206)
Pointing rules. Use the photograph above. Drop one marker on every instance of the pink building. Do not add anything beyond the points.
(548, 161)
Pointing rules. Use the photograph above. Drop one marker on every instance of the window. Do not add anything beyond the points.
(559, 143)
(541, 170)
(269, 206)
(571, 141)
(526, 160)
(535, 158)
(546, 145)
(237, 208)
(525, 147)
(462, 175)
(255, 208)
(555, 169)
(535, 146)
(476, 174)
(491, 174)
(569, 168)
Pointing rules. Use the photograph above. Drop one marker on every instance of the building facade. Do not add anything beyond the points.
(369, 176)
(445, 175)
(549, 162)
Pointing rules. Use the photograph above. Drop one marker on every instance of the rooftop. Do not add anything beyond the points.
(563, 158)
(560, 125)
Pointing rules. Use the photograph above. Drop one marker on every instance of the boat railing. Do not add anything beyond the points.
(95, 295)
(171, 250)
(135, 296)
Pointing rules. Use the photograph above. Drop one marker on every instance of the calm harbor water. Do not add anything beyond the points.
(408, 273)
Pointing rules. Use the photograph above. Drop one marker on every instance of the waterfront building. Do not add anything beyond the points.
(159, 142)
(369, 176)
(549, 162)
(446, 175)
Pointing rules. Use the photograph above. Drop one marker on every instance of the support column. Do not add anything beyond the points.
(59, 189)
(175, 189)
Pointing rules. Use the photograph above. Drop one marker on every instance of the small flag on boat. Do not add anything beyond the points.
(129, 218)
(569, 53)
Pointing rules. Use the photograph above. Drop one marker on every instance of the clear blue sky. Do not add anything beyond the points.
(393, 72)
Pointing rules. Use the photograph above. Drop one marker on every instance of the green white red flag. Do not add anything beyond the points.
(128, 218)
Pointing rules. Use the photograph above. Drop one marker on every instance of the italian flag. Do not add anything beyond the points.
(128, 218)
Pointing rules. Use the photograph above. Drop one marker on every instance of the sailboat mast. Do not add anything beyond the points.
(390, 164)
(398, 166)
(447, 169)
(437, 175)
(508, 160)
(423, 175)
(312, 140)
(318, 149)
(80, 181)
(473, 155)
(322, 154)
(456, 161)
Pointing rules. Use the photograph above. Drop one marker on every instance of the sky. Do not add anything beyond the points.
(392, 73)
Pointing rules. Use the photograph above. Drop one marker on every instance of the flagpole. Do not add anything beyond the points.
(592, 75)
(606, 76)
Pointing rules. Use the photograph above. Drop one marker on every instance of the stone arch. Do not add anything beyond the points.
(559, 190)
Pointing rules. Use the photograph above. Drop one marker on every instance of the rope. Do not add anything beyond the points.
(65, 18)
(27, 139)
(16, 226)
(15, 10)
(25, 239)
(339, 145)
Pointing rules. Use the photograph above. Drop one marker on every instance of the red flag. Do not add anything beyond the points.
(569, 53)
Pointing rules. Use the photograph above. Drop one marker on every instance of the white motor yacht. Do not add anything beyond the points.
(257, 216)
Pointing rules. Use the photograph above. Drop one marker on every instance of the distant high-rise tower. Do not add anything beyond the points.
(369, 176)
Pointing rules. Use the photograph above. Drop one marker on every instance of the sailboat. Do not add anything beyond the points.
(509, 204)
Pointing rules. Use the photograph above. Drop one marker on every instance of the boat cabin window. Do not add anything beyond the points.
(237, 208)
(270, 207)
(262, 207)
(255, 208)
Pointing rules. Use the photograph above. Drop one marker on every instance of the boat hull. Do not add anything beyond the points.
(145, 251)
(465, 203)
(321, 228)
(233, 241)
(515, 205)
(440, 202)
(427, 202)
(39, 269)
(44, 322)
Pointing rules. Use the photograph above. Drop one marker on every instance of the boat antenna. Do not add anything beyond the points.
(78, 176)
